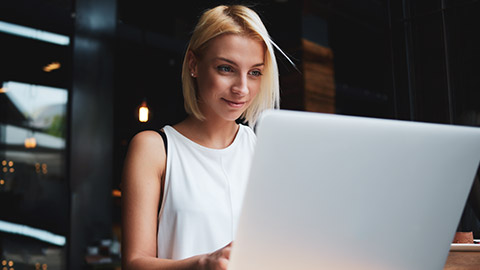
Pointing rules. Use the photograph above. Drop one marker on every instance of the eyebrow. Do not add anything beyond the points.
(233, 63)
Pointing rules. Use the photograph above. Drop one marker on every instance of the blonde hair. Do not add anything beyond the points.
(240, 20)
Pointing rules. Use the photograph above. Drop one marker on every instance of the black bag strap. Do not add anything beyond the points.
(165, 143)
(164, 137)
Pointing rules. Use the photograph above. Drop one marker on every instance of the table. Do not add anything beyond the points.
(463, 260)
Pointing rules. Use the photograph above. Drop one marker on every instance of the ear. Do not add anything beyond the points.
(192, 62)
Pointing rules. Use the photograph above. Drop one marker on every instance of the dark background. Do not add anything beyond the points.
(398, 59)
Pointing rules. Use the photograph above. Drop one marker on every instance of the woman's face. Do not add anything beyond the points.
(228, 73)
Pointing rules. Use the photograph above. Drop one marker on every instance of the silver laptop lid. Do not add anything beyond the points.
(339, 192)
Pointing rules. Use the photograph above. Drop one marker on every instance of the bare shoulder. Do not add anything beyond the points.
(147, 141)
(146, 149)
(147, 136)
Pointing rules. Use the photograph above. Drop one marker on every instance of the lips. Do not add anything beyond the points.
(234, 104)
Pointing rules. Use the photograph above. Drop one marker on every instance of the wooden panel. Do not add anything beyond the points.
(463, 260)
(319, 82)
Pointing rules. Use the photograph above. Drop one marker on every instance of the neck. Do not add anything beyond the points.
(211, 134)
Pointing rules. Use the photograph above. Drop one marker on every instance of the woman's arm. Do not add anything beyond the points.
(141, 185)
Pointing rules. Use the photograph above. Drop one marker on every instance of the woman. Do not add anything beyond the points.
(198, 175)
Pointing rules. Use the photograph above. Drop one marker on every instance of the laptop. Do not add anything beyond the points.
(342, 192)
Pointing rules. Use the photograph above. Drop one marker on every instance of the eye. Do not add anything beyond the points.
(225, 68)
(255, 73)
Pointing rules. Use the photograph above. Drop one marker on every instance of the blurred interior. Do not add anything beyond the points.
(74, 75)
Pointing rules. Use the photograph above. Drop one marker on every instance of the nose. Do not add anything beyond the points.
(240, 86)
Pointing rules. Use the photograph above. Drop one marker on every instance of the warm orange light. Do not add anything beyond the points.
(51, 66)
(116, 193)
(4, 162)
(30, 142)
(44, 168)
(10, 263)
(2, 182)
(143, 112)
(3, 90)
(10, 163)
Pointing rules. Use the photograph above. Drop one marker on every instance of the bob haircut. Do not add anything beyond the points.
(238, 20)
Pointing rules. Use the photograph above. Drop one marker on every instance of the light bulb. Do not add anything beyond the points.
(143, 112)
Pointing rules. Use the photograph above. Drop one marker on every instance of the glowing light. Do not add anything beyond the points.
(30, 142)
(12, 170)
(5, 169)
(44, 168)
(2, 182)
(143, 112)
(51, 66)
(4, 262)
(3, 90)
(28, 231)
(10, 163)
(116, 193)
(33, 33)
(10, 263)
(4, 162)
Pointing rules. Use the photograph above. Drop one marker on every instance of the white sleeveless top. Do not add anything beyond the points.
(203, 194)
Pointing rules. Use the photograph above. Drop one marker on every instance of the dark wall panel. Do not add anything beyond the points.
(464, 58)
(431, 88)
(434, 51)
(91, 155)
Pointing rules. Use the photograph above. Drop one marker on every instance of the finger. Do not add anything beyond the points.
(226, 252)
(222, 264)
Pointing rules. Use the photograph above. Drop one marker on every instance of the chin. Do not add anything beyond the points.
(233, 117)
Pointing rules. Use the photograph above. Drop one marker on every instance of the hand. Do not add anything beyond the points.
(463, 237)
(217, 260)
